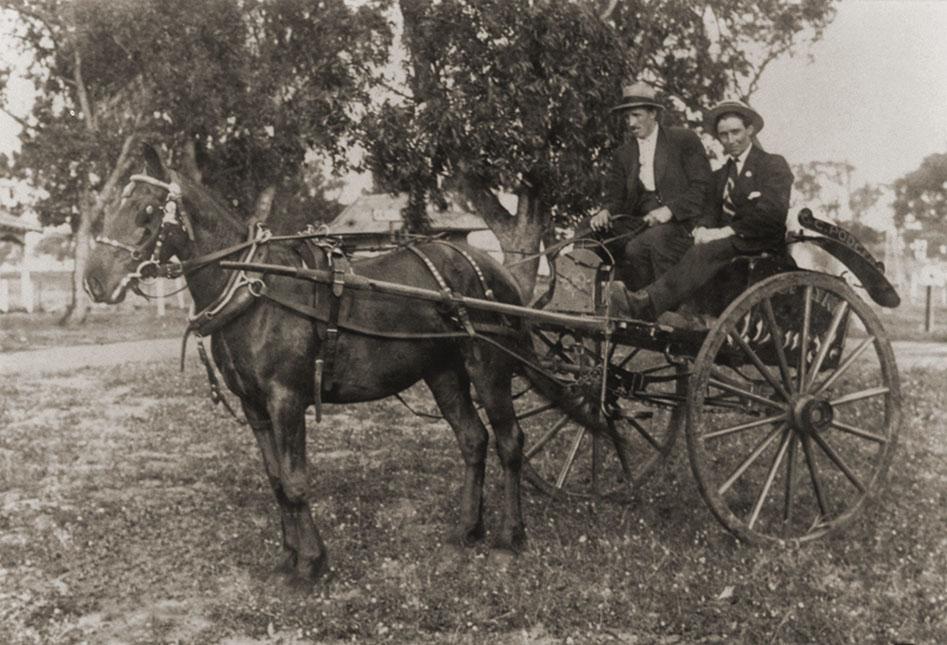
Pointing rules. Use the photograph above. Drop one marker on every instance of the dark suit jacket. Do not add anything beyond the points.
(681, 173)
(760, 200)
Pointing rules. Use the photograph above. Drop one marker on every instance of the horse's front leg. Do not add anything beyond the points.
(263, 432)
(287, 411)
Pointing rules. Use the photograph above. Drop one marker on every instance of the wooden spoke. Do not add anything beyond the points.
(847, 363)
(644, 433)
(753, 456)
(858, 432)
(790, 478)
(770, 477)
(537, 410)
(625, 360)
(839, 462)
(553, 431)
(760, 367)
(716, 434)
(827, 343)
(744, 393)
(858, 396)
(567, 466)
(804, 339)
(777, 335)
(765, 479)
(814, 476)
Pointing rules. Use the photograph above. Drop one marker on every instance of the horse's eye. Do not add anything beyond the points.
(144, 216)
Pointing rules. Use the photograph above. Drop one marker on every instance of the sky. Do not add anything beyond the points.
(874, 93)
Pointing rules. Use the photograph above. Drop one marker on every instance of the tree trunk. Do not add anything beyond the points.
(520, 234)
(91, 208)
(78, 310)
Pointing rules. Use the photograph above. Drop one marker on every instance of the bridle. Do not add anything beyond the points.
(173, 217)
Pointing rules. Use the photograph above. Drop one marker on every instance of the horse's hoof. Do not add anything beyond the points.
(514, 542)
(500, 560)
(297, 584)
(287, 565)
(472, 537)
(314, 569)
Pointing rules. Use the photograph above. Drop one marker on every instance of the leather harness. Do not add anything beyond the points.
(242, 291)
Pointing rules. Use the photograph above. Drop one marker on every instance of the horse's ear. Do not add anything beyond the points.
(153, 165)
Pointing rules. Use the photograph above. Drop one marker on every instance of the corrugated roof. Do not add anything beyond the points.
(16, 224)
(380, 213)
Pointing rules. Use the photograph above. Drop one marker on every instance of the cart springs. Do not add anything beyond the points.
(755, 332)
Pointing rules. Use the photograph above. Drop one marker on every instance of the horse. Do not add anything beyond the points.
(267, 350)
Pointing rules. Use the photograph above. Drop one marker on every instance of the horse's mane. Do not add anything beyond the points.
(286, 215)
(213, 213)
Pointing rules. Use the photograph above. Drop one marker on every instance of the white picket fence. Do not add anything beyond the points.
(50, 290)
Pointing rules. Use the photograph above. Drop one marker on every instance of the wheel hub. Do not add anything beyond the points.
(811, 414)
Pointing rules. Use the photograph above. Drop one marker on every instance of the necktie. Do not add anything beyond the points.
(728, 208)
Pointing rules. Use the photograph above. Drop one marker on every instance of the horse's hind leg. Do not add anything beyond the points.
(451, 390)
(492, 376)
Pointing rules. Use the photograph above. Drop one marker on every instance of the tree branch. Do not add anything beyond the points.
(122, 166)
(481, 200)
(23, 122)
(189, 161)
(607, 13)
(83, 94)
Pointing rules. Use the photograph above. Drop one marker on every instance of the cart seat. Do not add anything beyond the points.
(735, 278)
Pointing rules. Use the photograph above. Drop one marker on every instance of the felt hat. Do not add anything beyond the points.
(638, 95)
(735, 107)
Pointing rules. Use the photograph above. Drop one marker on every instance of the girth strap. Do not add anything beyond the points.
(487, 291)
(457, 308)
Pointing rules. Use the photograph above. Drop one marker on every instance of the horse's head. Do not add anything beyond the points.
(140, 235)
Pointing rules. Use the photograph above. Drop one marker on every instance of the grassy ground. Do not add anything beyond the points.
(21, 331)
(133, 511)
(907, 321)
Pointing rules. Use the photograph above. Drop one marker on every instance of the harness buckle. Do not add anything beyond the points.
(148, 271)
(338, 282)
(256, 287)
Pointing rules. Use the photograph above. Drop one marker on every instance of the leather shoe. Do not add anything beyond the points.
(623, 303)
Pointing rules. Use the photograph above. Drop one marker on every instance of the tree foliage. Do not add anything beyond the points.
(514, 96)
(922, 193)
(825, 186)
(240, 92)
(250, 86)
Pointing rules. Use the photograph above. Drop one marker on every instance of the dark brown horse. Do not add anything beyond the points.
(267, 353)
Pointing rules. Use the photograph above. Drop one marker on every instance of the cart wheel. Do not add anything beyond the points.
(788, 440)
(566, 458)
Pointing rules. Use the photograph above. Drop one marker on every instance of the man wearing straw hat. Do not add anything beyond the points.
(658, 178)
(745, 214)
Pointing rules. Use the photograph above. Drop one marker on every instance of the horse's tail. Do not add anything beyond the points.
(578, 403)
(573, 401)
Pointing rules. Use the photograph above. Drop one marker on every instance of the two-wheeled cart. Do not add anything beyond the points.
(783, 380)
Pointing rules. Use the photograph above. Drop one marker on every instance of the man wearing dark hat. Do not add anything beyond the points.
(659, 177)
(745, 213)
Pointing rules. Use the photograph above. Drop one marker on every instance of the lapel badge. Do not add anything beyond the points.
(748, 173)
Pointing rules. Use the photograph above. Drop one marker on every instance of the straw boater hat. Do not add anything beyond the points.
(735, 107)
(637, 95)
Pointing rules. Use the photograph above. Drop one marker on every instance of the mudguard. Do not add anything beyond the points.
(844, 247)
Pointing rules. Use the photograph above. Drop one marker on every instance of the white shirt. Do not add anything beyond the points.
(742, 158)
(646, 148)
